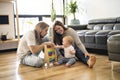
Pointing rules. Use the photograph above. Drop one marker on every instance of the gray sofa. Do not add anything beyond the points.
(98, 31)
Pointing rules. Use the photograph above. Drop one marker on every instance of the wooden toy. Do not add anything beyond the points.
(50, 55)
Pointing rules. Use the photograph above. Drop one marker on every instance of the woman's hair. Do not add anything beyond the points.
(59, 24)
(57, 37)
(69, 39)
(39, 27)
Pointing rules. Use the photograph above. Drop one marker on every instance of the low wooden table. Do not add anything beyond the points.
(8, 44)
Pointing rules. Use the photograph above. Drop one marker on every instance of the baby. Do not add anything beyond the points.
(69, 52)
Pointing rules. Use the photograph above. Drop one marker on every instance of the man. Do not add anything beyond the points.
(31, 45)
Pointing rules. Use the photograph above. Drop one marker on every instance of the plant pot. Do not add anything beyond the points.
(75, 22)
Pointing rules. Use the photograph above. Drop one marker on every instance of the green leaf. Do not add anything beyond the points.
(53, 13)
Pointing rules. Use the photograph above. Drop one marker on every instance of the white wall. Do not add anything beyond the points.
(6, 8)
(99, 9)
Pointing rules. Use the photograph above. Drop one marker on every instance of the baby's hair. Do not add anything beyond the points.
(69, 39)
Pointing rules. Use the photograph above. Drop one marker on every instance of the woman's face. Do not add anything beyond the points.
(43, 32)
(58, 29)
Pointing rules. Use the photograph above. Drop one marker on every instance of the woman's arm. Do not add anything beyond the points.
(79, 43)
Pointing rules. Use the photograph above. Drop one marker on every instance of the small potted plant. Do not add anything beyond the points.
(72, 8)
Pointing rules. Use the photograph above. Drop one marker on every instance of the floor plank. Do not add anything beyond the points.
(11, 70)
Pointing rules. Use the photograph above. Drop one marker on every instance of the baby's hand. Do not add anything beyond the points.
(72, 51)
(58, 46)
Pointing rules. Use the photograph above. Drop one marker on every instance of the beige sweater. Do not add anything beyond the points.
(77, 41)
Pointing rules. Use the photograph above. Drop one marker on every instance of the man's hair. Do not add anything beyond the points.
(69, 39)
(40, 26)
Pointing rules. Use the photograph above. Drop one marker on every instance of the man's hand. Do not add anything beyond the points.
(49, 44)
(87, 54)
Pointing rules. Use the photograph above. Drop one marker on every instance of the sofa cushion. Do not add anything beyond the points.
(108, 27)
(101, 37)
(98, 27)
(118, 19)
(116, 26)
(90, 27)
(90, 36)
(81, 35)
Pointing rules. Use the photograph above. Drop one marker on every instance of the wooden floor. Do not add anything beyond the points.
(11, 70)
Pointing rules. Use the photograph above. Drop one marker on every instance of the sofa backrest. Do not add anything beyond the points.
(104, 24)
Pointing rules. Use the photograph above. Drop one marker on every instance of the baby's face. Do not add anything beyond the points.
(65, 43)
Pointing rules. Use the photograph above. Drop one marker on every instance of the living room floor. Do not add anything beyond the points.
(11, 70)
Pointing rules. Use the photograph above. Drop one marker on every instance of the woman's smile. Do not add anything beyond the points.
(59, 29)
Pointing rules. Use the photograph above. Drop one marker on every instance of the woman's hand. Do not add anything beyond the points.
(87, 54)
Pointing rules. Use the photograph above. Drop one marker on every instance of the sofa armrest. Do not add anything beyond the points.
(114, 42)
(113, 45)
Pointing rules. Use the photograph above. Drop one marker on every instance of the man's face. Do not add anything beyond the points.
(43, 32)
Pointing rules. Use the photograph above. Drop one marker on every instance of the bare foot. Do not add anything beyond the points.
(91, 61)
(56, 63)
(68, 65)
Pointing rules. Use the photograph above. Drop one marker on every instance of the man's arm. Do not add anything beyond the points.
(37, 48)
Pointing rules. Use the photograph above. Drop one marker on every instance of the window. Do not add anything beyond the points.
(26, 24)
(32, 11)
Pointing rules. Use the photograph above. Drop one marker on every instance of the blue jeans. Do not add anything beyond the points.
(67, 60)
(32, 60)
(81, 57)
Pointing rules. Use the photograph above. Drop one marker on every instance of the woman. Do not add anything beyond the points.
(81, 53)
(31, 45)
